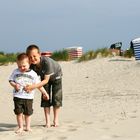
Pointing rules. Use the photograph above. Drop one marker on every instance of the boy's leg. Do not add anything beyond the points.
(20, 123)
(19, 113)
(56, 111)
(28, 123)
(28, 111)
(47, 116)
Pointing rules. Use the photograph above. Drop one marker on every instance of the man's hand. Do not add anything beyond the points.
(28, 88)
(45, 96)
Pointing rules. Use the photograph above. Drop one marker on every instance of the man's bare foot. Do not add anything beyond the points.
(28, 130)
(19, 130)
(55, 125)
(47, 125)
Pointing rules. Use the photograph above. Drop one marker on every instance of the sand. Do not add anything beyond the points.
(101, 102)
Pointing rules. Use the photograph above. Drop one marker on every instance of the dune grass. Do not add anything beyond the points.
(103, 52)
(7, 58)
(62, 55)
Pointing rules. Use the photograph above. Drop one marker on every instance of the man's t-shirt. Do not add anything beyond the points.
(48, 67)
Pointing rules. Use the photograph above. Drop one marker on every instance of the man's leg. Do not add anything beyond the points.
(47, 116)
(56, 111)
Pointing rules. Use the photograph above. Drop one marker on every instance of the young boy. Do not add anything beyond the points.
(21, 77)
(51, 78)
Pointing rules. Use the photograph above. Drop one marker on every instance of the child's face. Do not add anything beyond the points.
(34, 57)
(23, 65)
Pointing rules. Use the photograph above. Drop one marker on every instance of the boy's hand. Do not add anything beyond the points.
(17, 87)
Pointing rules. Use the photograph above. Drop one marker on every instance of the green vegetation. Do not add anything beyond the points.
(7, 58)
(129, 53)
(61, 55)
(103, 52)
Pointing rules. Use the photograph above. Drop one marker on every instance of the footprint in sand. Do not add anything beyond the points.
(62, 138)
(72, 129)
(87, 123)
(115, 136)
(68, 128)
(106, 128)
(106, 137)
(133, 117)
(45, 138)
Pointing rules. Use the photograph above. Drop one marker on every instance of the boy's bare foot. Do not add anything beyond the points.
(19, 130)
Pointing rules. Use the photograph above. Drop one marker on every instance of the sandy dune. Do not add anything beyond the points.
(101, 102)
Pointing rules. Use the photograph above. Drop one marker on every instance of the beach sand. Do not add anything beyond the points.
(101, 101)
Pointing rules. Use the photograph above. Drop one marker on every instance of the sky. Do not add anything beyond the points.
(58, 24)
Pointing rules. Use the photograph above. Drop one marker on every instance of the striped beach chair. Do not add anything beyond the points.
(135, 45)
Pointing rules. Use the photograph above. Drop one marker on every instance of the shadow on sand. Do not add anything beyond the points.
(7, 127)
(120, 59)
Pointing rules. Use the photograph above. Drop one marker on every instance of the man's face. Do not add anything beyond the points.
(34, 57)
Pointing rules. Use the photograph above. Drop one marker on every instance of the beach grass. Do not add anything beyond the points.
(62, 55)
(7, 58)
(89, 55)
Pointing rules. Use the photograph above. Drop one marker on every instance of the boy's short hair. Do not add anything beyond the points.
(32, 47)
(22, 56)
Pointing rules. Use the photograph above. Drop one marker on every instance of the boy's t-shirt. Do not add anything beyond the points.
(23, 79)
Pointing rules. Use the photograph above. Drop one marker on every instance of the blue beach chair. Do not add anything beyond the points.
(135, 45)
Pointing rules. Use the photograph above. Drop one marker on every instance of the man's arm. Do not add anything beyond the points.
(29, 88)
(44, 93)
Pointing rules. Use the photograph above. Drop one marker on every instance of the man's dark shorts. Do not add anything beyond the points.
(23, 106)
(54, 89)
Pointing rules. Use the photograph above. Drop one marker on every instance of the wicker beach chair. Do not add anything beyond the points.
(135, 46)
